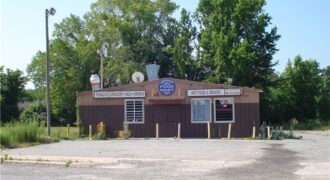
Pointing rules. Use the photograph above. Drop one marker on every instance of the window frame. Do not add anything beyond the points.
(191, 111)
(125, 112)
(214, 110)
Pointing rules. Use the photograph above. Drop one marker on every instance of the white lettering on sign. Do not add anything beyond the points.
(215, 92)
(119, 94)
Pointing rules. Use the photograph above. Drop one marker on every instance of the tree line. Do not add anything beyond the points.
(223, 41)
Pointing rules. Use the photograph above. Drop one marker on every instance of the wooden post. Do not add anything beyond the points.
(254, 132)
(268, 132)
(157, 130)
(179, 130)
(208, 130)
(68, 131)
(90, 132)
(126, 130)
(229, 130)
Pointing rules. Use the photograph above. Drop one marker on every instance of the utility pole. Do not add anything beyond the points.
(101, 68)
(101, 52)
(52, 12)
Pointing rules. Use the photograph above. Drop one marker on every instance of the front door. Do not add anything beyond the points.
(167, 116)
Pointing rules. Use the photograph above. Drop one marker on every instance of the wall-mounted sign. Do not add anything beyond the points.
(103, 94)
(215, 92)
(233, 92)
(119, 94)
(167, 87)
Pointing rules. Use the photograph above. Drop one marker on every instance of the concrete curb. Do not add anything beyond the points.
(57, 160)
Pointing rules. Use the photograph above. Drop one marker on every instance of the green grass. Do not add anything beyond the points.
(314, 124)
(28, 133)
(21, 134)
(61, 132)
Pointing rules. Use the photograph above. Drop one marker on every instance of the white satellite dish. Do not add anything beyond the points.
(137, 77)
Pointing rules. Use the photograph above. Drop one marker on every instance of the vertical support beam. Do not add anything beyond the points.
(157, 130)
(68, 131)
(90, 132)
(268, 132)
(179, 130)
(229, 130)
(208, 130)
(254, 132)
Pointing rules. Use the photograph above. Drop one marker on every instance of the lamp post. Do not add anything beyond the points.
(50, 11)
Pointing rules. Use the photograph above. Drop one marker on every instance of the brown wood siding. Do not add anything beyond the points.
(168, 117)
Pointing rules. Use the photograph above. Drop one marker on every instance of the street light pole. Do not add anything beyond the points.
(48, 12)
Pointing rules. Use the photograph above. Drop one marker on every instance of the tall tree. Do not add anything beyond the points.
(300, 85)
(12, 87)
(135, 32)
(66, 78)
(187, 64)
(236, 43)
(324, 98)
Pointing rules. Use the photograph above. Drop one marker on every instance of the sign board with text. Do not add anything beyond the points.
(119, 94)
(215, 92)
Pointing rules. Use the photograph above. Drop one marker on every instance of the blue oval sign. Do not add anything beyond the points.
(167, 87)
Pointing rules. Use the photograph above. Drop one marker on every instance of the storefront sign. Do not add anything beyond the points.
(101, 94)
(232, 92)
(167, 87)
(119, 94)
(215, 92)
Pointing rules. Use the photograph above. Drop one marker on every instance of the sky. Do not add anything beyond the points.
(304, 26)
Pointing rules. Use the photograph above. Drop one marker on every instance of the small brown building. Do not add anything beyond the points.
(169, 102)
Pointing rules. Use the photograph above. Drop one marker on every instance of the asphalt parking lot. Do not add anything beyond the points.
(308, 158)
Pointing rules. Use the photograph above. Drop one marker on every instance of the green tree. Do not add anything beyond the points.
(136, 32)
(300, 86)
(324, 98)
(12, 87)
(66, 78)
(187, 64)
(236, 43)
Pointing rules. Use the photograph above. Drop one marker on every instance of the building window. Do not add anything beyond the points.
(224, 110)
(201, 110)
(134, 110)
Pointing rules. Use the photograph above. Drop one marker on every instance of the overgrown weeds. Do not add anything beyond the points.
(100, 136)
(18, 133)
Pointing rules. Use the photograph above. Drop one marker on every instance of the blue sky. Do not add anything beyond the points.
(303, 24)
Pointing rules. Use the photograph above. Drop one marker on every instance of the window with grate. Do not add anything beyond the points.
(134, 110)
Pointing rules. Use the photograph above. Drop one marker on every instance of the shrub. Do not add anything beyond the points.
(37, 111)
(293, 123)
(99, 136)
